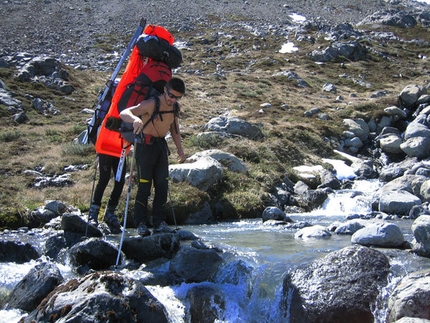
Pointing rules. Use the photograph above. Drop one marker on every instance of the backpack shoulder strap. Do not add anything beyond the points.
(175, 111)
(156, 111)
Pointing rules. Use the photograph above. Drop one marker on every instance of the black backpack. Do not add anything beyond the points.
(159, 50)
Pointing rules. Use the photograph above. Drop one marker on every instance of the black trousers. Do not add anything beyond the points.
(152, 167)
(108, 165)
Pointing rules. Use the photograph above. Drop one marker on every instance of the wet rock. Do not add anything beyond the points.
(12, 251)
(313, 199)
(73, 223)
(410, 298)
(195, 265)
(349, 227)
(54, 245)
(100, 297)
(274, 213)
(38, 283)
(144, 249)
(328, 179)
(95, 253)
(207, 304)
(337, 288)
(313, 232)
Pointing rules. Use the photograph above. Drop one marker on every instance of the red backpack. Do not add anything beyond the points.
(149, 83)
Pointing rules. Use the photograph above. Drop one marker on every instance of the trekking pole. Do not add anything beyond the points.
(92, 192)
(130, 181)
(111, 80)
(171, 205)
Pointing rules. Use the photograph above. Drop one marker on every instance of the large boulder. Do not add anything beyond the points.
(313, 232)
(144, 249)
(73, 223)
(15, 251)
(416, 147)
(352, 50)
(202, 173)
(38, 283)
(95, 253)
(358, 127)
(207, 304)
(195, 265)
(387, 235)
(398, 202)
(228, 160)
(234, 126)
(100, 297)
(410, 298)
(341, 287)
(410, 94)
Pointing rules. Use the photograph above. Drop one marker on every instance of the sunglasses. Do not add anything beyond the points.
(172, 96)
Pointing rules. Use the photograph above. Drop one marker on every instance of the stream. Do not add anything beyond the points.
(267, 252)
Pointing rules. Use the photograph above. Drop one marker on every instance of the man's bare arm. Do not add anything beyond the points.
(132, 115)
(176, 136)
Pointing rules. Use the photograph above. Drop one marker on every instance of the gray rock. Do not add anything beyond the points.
(145, 249)
(410, 94)
(313, 232)
(102, 296)
(350, 278)
(94, 253)
(387, 235)
(228, 160)
(398, 202)
(203, 173)
(274, 213)
(416, 147)
(38, 283)
(13, 251)
(234, 125)
(195, 265)
(410, 298)
(421, 232)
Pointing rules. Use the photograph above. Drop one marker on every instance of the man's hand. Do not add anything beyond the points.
(182, 156)
(137, 126)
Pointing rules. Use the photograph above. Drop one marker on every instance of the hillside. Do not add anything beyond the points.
(231, 57)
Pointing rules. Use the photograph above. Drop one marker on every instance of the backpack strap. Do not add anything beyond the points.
(154, 114)
(175, 111)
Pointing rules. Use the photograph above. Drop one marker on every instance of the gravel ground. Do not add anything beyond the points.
(70, 27)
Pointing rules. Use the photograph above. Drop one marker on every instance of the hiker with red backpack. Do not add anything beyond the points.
(152, 119)
(149, 68)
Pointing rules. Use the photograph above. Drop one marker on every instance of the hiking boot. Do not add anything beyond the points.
(93, 215)
(111, 220)
(163, 228)
(142, 230)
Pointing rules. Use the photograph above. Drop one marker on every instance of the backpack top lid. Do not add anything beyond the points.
(160, 32)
